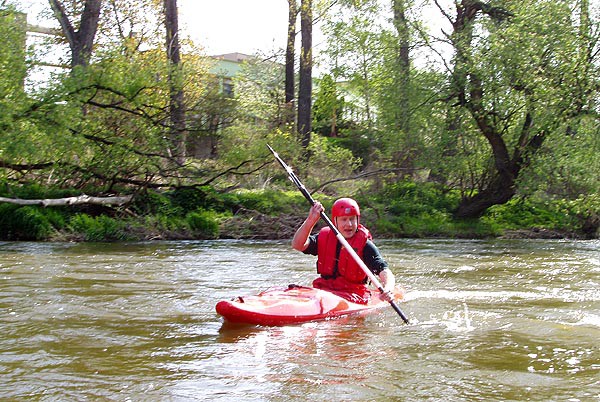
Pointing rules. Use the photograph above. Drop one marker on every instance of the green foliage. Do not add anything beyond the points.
(271, 202)
(100, 228)
(106, 127)
(28, 222)
(160, 226)
(584, 206)
(359, 141)
(329, 161)
(568, 165)
(585, 211)
(412, 198)
(151, 202)
(328, 108)
(411, 209)
(13, 68)
(204, 223)
(245, 141)
(206, 197)
(259, 92)
(36, 191)
(521, 213)
(188, 199)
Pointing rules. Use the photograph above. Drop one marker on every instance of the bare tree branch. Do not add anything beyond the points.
(79, 200)
(361, 176)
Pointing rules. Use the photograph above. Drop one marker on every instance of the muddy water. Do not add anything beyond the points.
(490, 320)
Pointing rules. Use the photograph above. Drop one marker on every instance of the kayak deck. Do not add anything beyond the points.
(294, 304)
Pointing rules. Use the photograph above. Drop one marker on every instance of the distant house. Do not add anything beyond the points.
(228, 66)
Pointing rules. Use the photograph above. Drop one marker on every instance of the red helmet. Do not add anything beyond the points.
(345, 207)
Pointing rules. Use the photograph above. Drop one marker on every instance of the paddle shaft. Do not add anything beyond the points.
(374, 280)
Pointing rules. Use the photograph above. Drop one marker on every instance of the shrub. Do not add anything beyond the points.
(204, 223)
(152, 202)
(25, 223)
(271, 202)
(410, 209)
(100, 228)
(520, 213)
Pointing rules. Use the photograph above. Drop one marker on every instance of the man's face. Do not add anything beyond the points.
(347, 225)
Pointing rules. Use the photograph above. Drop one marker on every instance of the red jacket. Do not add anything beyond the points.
(347, 267)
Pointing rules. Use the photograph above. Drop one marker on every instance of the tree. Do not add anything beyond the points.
(328, 107)
(16, 141)
(290, 56)
(402, 72)
(258, 93)
(354, 33)
(396, 97)
(305, 84)
(13, 55)
(176, 103)
(107, 123)
(81, 41)
(515, 74)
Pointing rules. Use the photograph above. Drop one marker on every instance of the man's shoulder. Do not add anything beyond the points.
(370, 245)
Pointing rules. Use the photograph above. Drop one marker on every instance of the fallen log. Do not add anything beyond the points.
(79, 200)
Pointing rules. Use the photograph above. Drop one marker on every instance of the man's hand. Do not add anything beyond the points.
(300, 239)
(388, 282)
(315, 213)
(387, 295)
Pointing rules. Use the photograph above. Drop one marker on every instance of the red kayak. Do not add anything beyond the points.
(295, 304)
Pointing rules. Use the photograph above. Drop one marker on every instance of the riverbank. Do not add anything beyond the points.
(253, 225)
(200, 214)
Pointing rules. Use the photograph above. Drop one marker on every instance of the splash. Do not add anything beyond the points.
(589, 319)
(459, 321)
(456, 320)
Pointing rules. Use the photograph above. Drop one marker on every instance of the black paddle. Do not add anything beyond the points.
(338, 235)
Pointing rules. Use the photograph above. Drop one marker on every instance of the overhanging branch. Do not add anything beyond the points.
(361, 176)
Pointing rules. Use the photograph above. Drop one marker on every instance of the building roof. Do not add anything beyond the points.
(229, 65)
(235, 57)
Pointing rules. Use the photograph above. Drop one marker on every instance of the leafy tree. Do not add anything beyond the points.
(328, 107)
(518, 83)
(105, 124)
(356, 55)
(13, 54)
(259, 93)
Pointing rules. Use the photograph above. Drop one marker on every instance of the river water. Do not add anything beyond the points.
(501, 320)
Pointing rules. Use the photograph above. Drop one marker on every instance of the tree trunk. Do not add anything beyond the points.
(305, 85)
(176, 101)
(402, 79)
(81, 42)
(289, 62)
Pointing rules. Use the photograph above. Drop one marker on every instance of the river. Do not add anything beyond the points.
(498, 320)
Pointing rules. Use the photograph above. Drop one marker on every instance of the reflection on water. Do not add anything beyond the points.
(490, 320)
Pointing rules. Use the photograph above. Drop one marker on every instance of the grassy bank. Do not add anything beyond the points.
(401, 210)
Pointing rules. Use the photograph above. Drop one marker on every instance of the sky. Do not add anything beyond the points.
(227, 26)
(219, 26)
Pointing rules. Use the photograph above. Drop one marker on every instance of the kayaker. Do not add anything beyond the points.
(338, 271)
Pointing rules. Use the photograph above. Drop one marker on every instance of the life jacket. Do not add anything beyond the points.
(346, 266)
